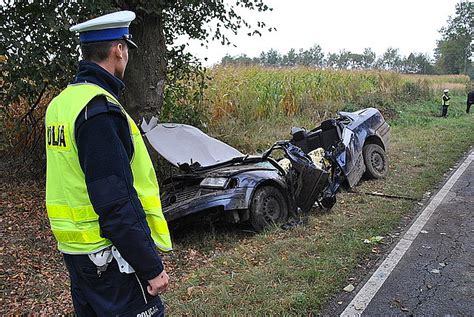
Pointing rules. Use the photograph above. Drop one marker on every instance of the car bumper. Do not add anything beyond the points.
(230, 199)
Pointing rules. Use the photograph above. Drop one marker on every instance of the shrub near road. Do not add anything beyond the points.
(228, 269)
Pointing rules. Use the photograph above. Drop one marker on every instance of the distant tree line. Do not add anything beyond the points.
(452, 54)
(414, 63)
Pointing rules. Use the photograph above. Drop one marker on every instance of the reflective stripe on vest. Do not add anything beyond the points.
(72, 217)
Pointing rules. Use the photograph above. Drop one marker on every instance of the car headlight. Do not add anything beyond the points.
(214, 182)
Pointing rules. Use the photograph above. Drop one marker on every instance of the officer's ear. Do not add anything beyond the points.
(118, 50)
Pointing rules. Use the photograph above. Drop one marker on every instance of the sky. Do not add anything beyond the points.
(409, 25)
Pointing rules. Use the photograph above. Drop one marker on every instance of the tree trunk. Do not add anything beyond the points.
(146, 71)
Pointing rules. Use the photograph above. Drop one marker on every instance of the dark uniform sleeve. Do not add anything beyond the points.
(105, 149)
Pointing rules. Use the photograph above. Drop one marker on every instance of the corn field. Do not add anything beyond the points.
(258, 92)
(245, 106)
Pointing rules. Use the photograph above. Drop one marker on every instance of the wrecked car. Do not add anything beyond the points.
(355, 142)
(215, 177)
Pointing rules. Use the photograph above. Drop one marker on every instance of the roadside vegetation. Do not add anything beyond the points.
(251, 107)
(227, 269)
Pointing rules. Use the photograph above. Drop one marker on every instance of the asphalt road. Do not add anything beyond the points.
(435, 277)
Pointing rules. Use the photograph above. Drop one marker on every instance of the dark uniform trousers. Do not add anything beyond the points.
(112, 293)
(444, 111)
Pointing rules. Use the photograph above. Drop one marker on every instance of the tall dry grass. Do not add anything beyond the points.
(250, 107)
(457, 84)
(258, 92)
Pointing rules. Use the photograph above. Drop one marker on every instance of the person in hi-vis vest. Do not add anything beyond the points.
(445, 103)
(102, 196)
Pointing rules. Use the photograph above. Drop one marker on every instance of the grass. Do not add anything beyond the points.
(297, 271)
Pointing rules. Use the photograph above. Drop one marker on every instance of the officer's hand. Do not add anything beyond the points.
(158, 284)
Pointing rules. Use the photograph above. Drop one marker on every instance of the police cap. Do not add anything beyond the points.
(109, 27)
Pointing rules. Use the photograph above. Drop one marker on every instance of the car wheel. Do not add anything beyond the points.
(268, 207)
(375, 160)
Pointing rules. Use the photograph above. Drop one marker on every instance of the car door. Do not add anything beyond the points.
(351, 161)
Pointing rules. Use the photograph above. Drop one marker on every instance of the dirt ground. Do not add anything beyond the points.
(33, 277)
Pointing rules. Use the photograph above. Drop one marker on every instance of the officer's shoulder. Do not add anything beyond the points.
(100, 105)
(97, 106)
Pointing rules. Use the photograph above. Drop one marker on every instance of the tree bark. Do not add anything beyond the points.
(145, 76)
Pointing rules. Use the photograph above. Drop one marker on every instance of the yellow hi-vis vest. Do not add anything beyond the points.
(445, 100)
(72, 217)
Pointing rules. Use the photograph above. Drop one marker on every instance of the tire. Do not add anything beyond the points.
(268, 207)
(376, 161)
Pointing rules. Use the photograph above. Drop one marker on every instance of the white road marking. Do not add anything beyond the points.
(357, 306)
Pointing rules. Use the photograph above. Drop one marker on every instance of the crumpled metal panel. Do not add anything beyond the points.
(184, 144)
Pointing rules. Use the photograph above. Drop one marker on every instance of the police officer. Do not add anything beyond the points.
(445, 103)
(102, 195)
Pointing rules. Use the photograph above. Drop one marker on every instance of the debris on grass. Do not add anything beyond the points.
(349, 288)
(374, 240)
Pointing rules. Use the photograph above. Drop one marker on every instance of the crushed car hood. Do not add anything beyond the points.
(183, 144)
(241, 168)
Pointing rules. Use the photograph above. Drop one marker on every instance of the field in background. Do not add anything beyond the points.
(251, 107)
